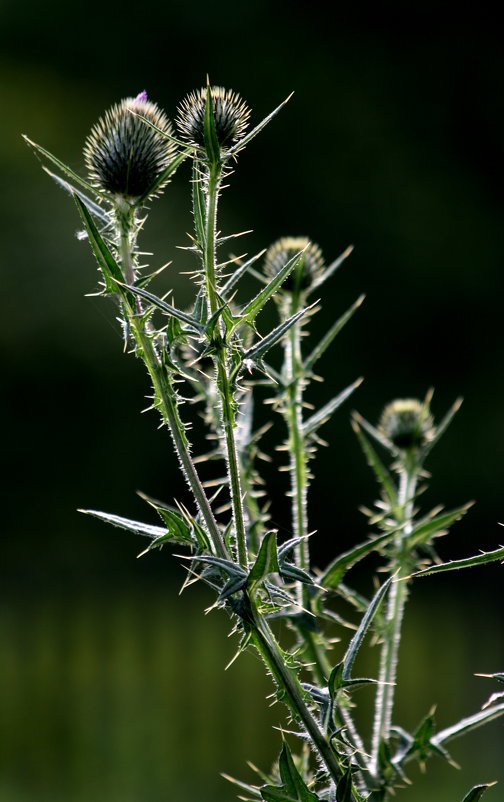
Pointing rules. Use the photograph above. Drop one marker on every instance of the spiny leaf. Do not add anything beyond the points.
(331, 334)
(238, 273)
(272, 794)
(375, 433)
(344, 788)
(469, 723)
(170, 310)
(328, 272)
(111, 271)
(381, 473)
(468, 562)
(163, 177)
(477, 792)
(64, 168)
(212, 146)
(246, 139)
(137, 527)
(337, 682)
(319, 418)
(98, 211)
(165, 134)
(267, 559)
(252, 309)
(230, 568)
(292, 780)
(250, 789)
(428, 527)
(260, 348)
(335, 572)
(442, 427)
(199, 207)
(356, 642)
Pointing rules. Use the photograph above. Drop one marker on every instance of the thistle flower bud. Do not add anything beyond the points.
(407, 423)
(124, 156)
(230, 116)
(309, 267)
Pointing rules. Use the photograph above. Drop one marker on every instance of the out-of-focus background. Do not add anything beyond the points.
(111, 686)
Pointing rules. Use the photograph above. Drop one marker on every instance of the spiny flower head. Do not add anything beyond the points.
(407, 423)
(309, 267)
(125, 156)
(230, 112)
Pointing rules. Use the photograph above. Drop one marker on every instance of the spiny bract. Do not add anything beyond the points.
(124, 155)
(309, 267)
(407, 423)
(230, 116)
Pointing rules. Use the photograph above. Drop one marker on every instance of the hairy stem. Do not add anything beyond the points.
(165, 392)
(265, 642)
(398, 595)
(224, 383)
(293, 414)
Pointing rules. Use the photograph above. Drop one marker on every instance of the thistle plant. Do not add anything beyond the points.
(214, 355)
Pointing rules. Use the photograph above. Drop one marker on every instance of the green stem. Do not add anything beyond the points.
(224, 383)
(398, 595)
(297, 446)
(265, 642)
(164, 390)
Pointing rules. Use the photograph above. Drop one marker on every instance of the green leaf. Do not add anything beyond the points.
(467, 724)
(199, 205)
(165, 134)
(267, 559)
(337, 682)
(230, 568)
(477, 792)
(252, 309)
(257, 351)
(270, 793)
(373, 460)
(313, 423)
(97, 211)
(246, 139)
(238, 273)
(328, 272)
(429, 527)
(111, 271)
(356, 642)
(331, 334)
(294, 784)
(212, 146)
(335, 572)
(165, 175)
(468, 562)
(375, 433)
(442, 427)
(170, 310)
(250, 789)
(344, 788)
(139, 528)
(64, 168)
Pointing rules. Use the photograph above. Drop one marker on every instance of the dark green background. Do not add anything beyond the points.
(112, 688)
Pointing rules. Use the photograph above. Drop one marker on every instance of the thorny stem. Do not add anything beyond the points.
(299, 489)
(224, 383)
(164, 390)
(293, 414)
(395, 610)
(265, 642)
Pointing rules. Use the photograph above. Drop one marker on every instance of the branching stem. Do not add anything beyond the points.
(165, 392)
